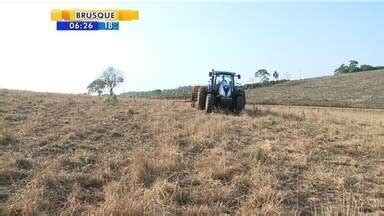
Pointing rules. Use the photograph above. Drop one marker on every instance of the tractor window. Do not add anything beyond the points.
(223, 79)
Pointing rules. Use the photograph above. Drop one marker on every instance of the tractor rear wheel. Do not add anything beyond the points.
(209, 103)
(240, 104)
(201, 97)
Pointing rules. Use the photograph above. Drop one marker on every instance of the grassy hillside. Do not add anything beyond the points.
(363, 89)
(75, 154)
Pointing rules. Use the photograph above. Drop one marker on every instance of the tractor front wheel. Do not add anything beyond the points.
(209, 103)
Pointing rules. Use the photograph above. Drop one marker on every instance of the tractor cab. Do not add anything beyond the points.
(222, 83)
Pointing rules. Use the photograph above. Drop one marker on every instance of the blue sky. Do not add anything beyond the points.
(176, 44)
(298, 39)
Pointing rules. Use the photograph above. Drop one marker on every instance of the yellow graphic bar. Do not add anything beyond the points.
(56, 15)
(68, 14)
(82, 15)
(127, 15)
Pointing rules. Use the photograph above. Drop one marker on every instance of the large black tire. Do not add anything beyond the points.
(201, 97)
(209, 103)
(240, 104)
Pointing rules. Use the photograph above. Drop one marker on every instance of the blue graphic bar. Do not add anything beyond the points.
(108, 25)
(86, 25)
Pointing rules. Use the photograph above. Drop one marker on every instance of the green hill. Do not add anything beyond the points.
(361, 90)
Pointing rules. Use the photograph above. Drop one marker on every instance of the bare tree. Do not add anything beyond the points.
(263, 74)
(112, 78)
(97, 86)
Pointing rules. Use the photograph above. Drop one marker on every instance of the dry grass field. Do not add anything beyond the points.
(73, 154)
(360, 90)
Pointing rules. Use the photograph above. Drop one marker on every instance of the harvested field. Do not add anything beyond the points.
(75, 154)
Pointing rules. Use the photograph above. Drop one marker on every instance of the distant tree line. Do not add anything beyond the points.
(176, 93)
(354, 67)
(263, 84)
(184, 92)
(111, 78)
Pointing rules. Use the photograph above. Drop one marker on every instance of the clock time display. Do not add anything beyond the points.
(86, 25)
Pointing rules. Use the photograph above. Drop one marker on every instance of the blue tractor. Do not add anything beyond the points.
(221, 93)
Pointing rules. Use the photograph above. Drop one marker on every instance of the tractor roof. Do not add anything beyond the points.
(224, 73)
